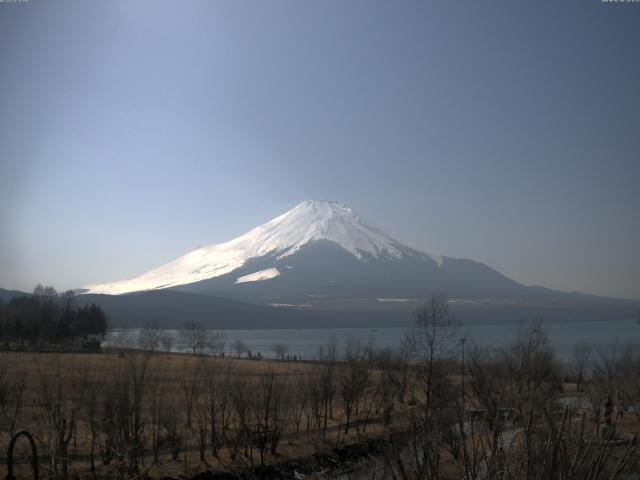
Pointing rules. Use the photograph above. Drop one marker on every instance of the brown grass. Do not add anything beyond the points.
(164, 377)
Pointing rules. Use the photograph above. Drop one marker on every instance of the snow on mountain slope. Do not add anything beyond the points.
(284, 235)
(266, 274)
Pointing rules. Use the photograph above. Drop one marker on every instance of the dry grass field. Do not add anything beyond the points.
(179, 414)
(508, 414)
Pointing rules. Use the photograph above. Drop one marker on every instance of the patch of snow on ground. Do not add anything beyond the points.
(396, 300)
(439, 259)
(462, 301)
(289, 305)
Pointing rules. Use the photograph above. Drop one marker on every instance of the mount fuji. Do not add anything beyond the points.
(321, 265)
(314, 254)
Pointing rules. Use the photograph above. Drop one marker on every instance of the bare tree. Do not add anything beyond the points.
(213, 394)
(299, 404)
(194, 337)
(534, 381)
(122, 415)
(269, 413)
(166, 342)
(353, 379)
(224, 408)
(388, 382)
(581, 356)
(217, 343)
(61, 411)
(191, 389)
(327, 357)
(432, 339)
(201, 425)
(149, 338)
(628, 368)
(241, 399)
(615, 375)
(156, 408)
(239, 347)
(89, 412)
(280, 350)
(170, 420)
(11, 399)
(316, 390)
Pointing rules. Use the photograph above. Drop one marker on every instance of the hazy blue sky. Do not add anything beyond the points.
(507, 132)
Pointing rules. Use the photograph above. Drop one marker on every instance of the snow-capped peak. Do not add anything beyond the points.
(322, 220)
(307, 222)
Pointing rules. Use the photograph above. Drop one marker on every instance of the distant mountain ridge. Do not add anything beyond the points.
(7, 295)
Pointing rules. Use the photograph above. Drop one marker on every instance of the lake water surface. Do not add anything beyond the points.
(304, 343)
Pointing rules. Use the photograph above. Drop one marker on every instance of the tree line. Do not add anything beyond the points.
(48, 319)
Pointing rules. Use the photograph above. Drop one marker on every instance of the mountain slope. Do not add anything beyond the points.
(281, 237)
(317, 252)
(7, 295)
(323, 270)
(173, 309)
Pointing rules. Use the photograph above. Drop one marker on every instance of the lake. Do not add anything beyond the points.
(304, 343)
